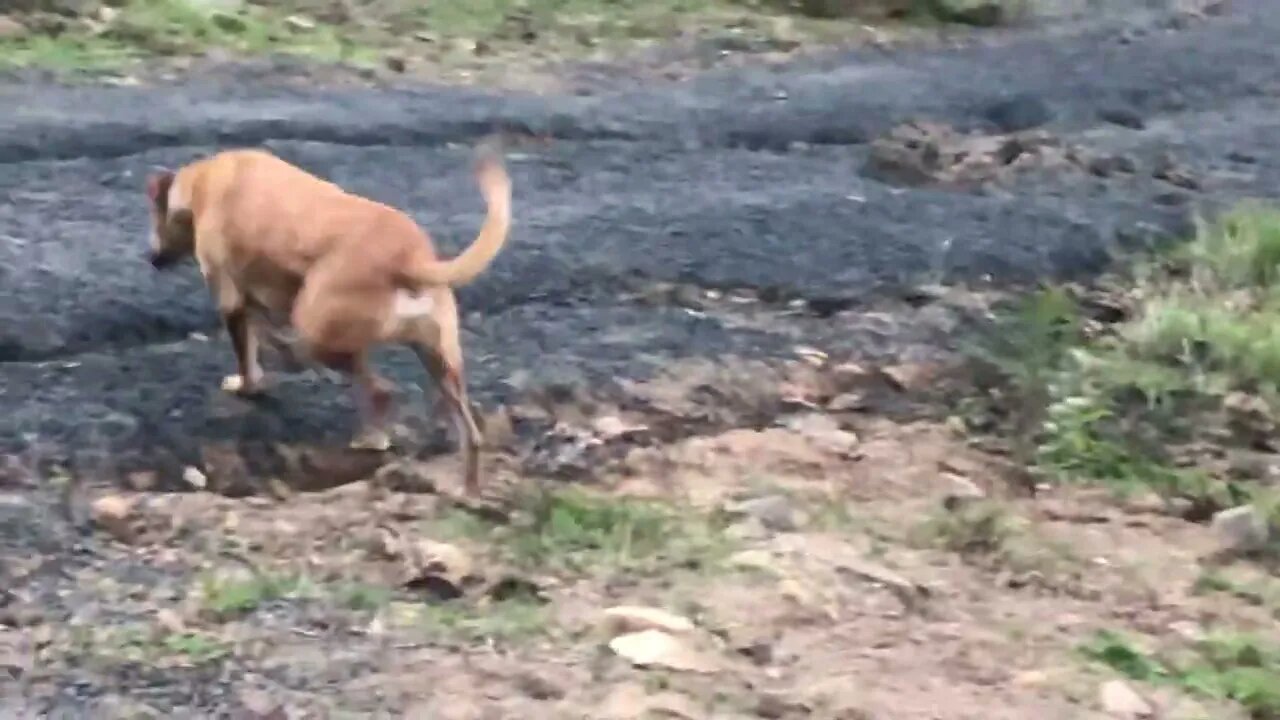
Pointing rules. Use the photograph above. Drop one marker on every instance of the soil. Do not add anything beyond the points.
(711, 284)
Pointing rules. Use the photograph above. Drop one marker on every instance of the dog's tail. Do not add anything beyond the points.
(495, 186)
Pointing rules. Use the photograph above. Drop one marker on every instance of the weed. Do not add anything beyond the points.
(507, 620)
(1229, 666)
(143, 644)
(358, 596)
(197, 647)
(226, 595)
(978, 528)
(1196, 362)
(577, 531)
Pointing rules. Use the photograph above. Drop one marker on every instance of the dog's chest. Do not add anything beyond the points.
(269, 285)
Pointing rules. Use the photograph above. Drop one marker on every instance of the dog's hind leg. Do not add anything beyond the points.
(444, 364)
(373, 400)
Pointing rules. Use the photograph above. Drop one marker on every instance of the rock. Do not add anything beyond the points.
(848, 402)
(15, 655)
(654, 648)
(539, 687)
(1171, 171)
(1031, 678)
(258, 705)
(1249, 416)
(752, 559)
(442, 569)
(609, 427)
(142, 481)
(11, 29)
(193, 477)
(1121, 701)
(170, 621)
(114, 514)
(299, 23)
(774, 512)
(909, 593)
(674, 705)
(823, 431)
(963, 491)
(228, 22)
(632, 618)
(395, 63)
(1241, 529)
(777, 707)
(909, 377)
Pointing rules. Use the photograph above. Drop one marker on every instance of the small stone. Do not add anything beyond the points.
(1188, 630)
(674, 705)
(1241, 529)
(539, 687)
(849, 373)
(395, 63)
(193, 477)
(752, 559)
(170, 621)
(608, 427)
(654, 648)
(113, 514)
(848, 402)
(439, 568)
(299, 23)
(823, 431)
(774, 512)
(777, 707)
(632, 618)
(1121, 701)
(142, 481)
(259, 705)
(1031, 678)
(962, 490)
(909, 377)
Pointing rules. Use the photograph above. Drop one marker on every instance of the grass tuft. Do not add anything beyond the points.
(1193, 362)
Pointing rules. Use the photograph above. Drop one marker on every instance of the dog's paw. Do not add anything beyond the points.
(236, 385)
(375, 440)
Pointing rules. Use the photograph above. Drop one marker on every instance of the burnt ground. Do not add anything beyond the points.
(674, 245)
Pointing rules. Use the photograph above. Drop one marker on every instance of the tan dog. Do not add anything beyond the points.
(274, 242)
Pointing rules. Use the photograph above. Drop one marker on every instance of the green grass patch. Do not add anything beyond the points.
(450, 30)
(510, 620)
(149, 28)
(986, 533)
(1224, 666)
(225, 595)
(577, 531)
(1132, 402)
(137, 644)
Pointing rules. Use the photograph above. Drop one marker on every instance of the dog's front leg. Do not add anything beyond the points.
(244, 342)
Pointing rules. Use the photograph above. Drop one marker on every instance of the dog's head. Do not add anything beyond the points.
(173, 236)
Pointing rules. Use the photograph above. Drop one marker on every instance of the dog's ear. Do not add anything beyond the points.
(181, 220)
(158, 184)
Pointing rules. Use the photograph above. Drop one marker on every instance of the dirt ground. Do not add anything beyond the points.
(824, 545)
(722, 481)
